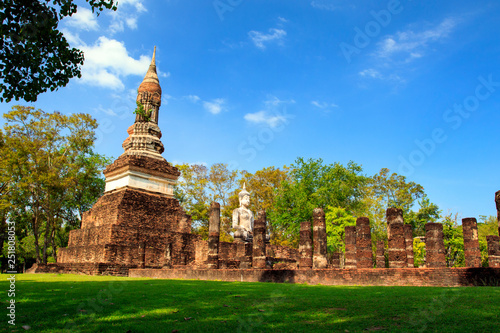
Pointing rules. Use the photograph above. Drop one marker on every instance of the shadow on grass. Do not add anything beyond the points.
(73, 303)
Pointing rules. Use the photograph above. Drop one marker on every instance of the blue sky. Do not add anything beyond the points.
(413, 86)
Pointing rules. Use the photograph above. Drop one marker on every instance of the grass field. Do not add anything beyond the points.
(77, 303)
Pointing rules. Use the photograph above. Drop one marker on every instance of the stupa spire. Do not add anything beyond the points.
(144, 134)
(149, 93)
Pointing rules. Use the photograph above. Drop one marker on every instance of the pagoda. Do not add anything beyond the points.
(137, 222)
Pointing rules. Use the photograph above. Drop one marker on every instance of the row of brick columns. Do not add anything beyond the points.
(358, 244)
(358, 251)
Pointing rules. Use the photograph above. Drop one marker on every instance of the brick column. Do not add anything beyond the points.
(393, 215)
(408, 233)
(213, 236)
(259, 241)
(493, 251)
(396, 238)
(471, 242)
(364, 254)
(434, 245)
(319, 239)
(380, 259)
(305, 246)
(397, 247)
(497, 202)
(350, 247)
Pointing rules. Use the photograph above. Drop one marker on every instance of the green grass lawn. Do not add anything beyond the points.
(77, 303)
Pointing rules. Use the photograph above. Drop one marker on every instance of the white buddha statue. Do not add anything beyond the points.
(243, 217)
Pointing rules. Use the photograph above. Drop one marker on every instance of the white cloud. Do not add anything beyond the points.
(193, 98)
(260, 38)
(108, 111)
(375, 74)
(215, 106)
(126, 15)
(324, 105)
(107, 61)
(83, 19)
(73, 39)
(121, 20)
(412, 45)
(263, 117)
(166, 98)
(324, 5)
(370, 72)
(163, 74)
(274, 101)
(138, 4)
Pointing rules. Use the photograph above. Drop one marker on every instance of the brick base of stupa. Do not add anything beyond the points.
(132, 228)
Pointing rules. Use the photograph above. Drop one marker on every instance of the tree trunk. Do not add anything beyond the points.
(3, 228)
(35, 232)
(53, 242)
(46, 239)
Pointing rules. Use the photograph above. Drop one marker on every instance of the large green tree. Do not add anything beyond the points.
(314, 184)
(199, 186)
(53, 171)
(385, 190)
(34, 55)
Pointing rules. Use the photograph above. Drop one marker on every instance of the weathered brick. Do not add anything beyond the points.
(434, 245)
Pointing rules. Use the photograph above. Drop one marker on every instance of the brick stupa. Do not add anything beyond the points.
(137, 222)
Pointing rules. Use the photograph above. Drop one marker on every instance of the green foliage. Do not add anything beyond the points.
(34, 55)
(418, 252)
(52, 170)
(395, 191)
(427, 213)
(198, 187)
(146, 115)
(453, 241)
(337, 219)
(386, 190)
(313, 184)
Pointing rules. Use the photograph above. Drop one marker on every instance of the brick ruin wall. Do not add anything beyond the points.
(132, 228)
(129, 229)
(436, 277)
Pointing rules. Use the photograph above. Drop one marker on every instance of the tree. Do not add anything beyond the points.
(336, 220)
(395, 191)
(418, 252)
(34, 55)
(313, 184)
(427, 213)
(453, 241)
(386, 190)
(48, 157)
(198, 187)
